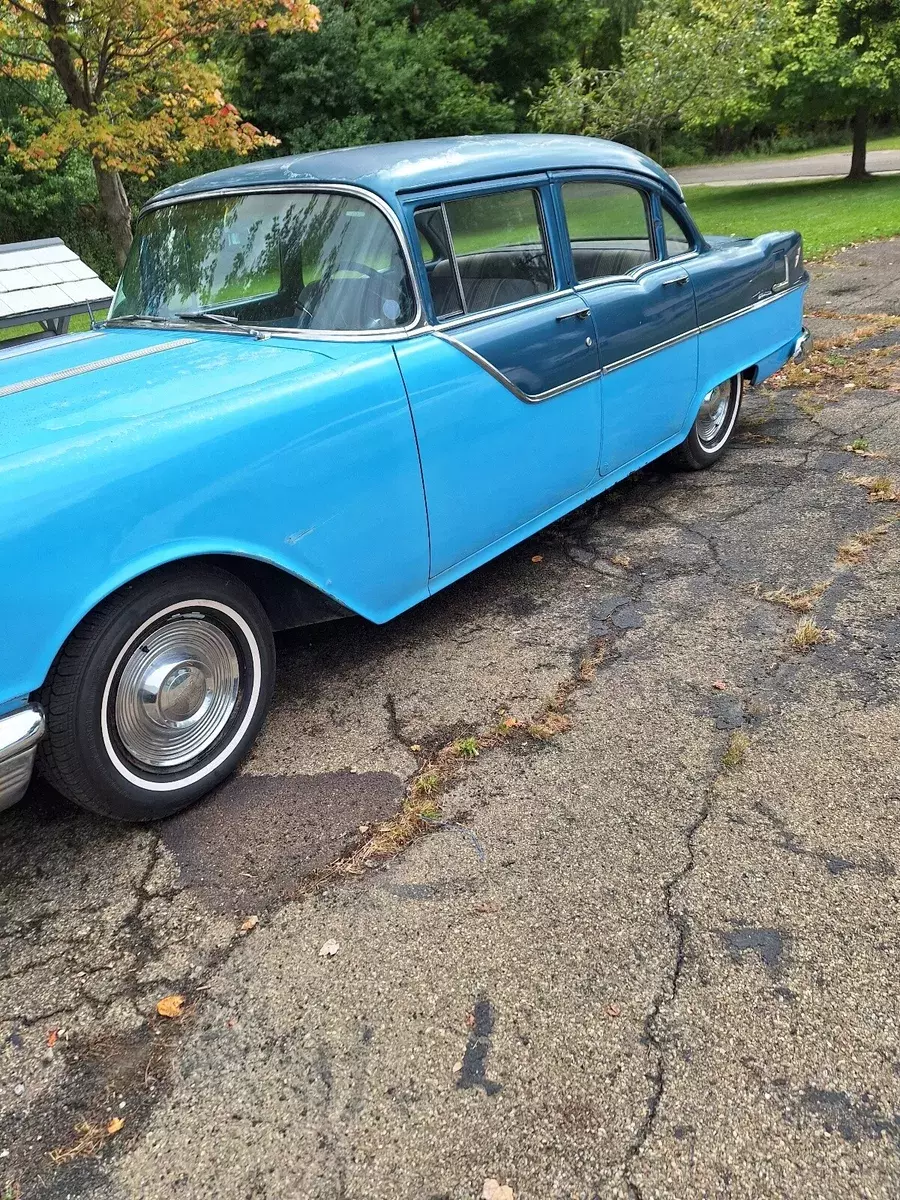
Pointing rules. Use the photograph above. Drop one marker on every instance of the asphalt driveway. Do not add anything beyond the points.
(649, 947)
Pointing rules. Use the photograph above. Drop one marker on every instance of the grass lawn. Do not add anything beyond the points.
(77, 325)
(830, 214)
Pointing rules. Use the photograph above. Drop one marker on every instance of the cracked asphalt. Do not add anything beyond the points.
(654, 955)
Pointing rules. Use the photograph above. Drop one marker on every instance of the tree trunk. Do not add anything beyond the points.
(116, 209)
(860, 135)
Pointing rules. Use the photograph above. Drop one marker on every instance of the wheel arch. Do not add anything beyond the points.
(288, 599)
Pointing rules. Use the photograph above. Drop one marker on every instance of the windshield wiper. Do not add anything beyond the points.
(231, 323)
(196, 315)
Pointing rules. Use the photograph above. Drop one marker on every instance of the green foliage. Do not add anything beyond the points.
(686, 65)
(385, 70)
(839, 56)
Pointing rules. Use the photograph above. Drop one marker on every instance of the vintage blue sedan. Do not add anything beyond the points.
(334, 384)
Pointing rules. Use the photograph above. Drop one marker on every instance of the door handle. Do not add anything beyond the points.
(580, 314)
(678, 281)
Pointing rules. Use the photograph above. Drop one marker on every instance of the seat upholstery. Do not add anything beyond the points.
(593, 262)
(491, 278)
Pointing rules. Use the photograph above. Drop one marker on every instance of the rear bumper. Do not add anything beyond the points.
(802, 345)
(20, 733)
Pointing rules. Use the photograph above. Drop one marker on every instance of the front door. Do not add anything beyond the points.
(504, 390)
(644, 316)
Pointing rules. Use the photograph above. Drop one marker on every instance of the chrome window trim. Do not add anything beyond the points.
(343, 189)
(455, 321)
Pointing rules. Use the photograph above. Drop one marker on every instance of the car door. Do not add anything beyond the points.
(643, 310)
(504, 385)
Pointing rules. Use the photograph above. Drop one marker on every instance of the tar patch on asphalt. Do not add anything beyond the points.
(473, 1073)
(249, 844)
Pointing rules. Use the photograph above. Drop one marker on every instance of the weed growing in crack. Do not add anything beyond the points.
(735, 751)
(854, 548)
(426, 784)
(860, 447)
(550, 725)
(795, 601)
(88, 1144)
(808, 634)
(881, 489)
(466, 747)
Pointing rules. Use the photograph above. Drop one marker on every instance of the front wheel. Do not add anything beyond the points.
(158, 694)
(714, 426)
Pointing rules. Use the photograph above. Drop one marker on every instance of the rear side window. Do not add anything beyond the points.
(497, 252)
(609, 228)
(678, 241)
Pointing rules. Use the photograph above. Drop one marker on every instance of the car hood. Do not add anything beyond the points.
(76, 388)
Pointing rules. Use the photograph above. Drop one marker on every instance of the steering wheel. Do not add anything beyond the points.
(360, 268)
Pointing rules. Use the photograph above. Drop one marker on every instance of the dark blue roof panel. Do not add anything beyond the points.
(394, 167)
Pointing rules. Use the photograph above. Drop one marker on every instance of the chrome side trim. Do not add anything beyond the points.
(672, 341)
(70, 372)
(751, 307)
(20, 733)
(637, 273)
(343, 189)
(525, 397)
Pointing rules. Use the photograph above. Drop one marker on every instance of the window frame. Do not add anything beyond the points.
(540, 188)
(653, 232)
(666, 208)
(344, 189)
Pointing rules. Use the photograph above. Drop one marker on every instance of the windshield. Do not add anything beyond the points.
(301, 260)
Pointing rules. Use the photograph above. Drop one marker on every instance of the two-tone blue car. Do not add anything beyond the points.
(334, 384)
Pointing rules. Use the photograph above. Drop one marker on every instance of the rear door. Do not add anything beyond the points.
(504, 387)
(643, 309)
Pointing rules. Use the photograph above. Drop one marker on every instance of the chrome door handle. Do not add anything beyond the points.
(580, 314)
(678, 281)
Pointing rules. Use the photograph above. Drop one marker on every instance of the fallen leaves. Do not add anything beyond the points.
(329, 949)
(52, 1038)
(171, 1007)
(248, 925)
(115, 1125)
(494, 1190)
(537, 558)
(89, 1143)
(613, 1010)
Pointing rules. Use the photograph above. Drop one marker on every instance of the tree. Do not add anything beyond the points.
(134, 88)
(383, 70)
(692, 64)
(841, 58)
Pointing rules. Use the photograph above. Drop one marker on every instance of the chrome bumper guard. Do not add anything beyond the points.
(20, 733)
(802, 346)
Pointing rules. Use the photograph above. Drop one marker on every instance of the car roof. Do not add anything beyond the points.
(393, 168)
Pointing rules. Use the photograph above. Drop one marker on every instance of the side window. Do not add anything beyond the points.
(609, 228)
(677, 239)
(498, 252)
(434, 243)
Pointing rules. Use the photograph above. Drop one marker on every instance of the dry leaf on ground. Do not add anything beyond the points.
(494, 1190)
(250, 923)
(171, 1006)
(52, 1038)
(537, 558)
(330, 949)
(115, 1125)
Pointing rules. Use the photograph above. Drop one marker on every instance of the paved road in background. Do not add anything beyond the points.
(770, 170)
(652, 957)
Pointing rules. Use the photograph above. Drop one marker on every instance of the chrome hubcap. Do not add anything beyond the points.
(177, 692)
(714, 413)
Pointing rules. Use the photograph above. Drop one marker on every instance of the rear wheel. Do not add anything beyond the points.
(158, 694)
(714, 426)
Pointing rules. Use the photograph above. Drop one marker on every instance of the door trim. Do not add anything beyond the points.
(525, 397)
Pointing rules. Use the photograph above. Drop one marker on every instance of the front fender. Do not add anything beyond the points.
(316, 474)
